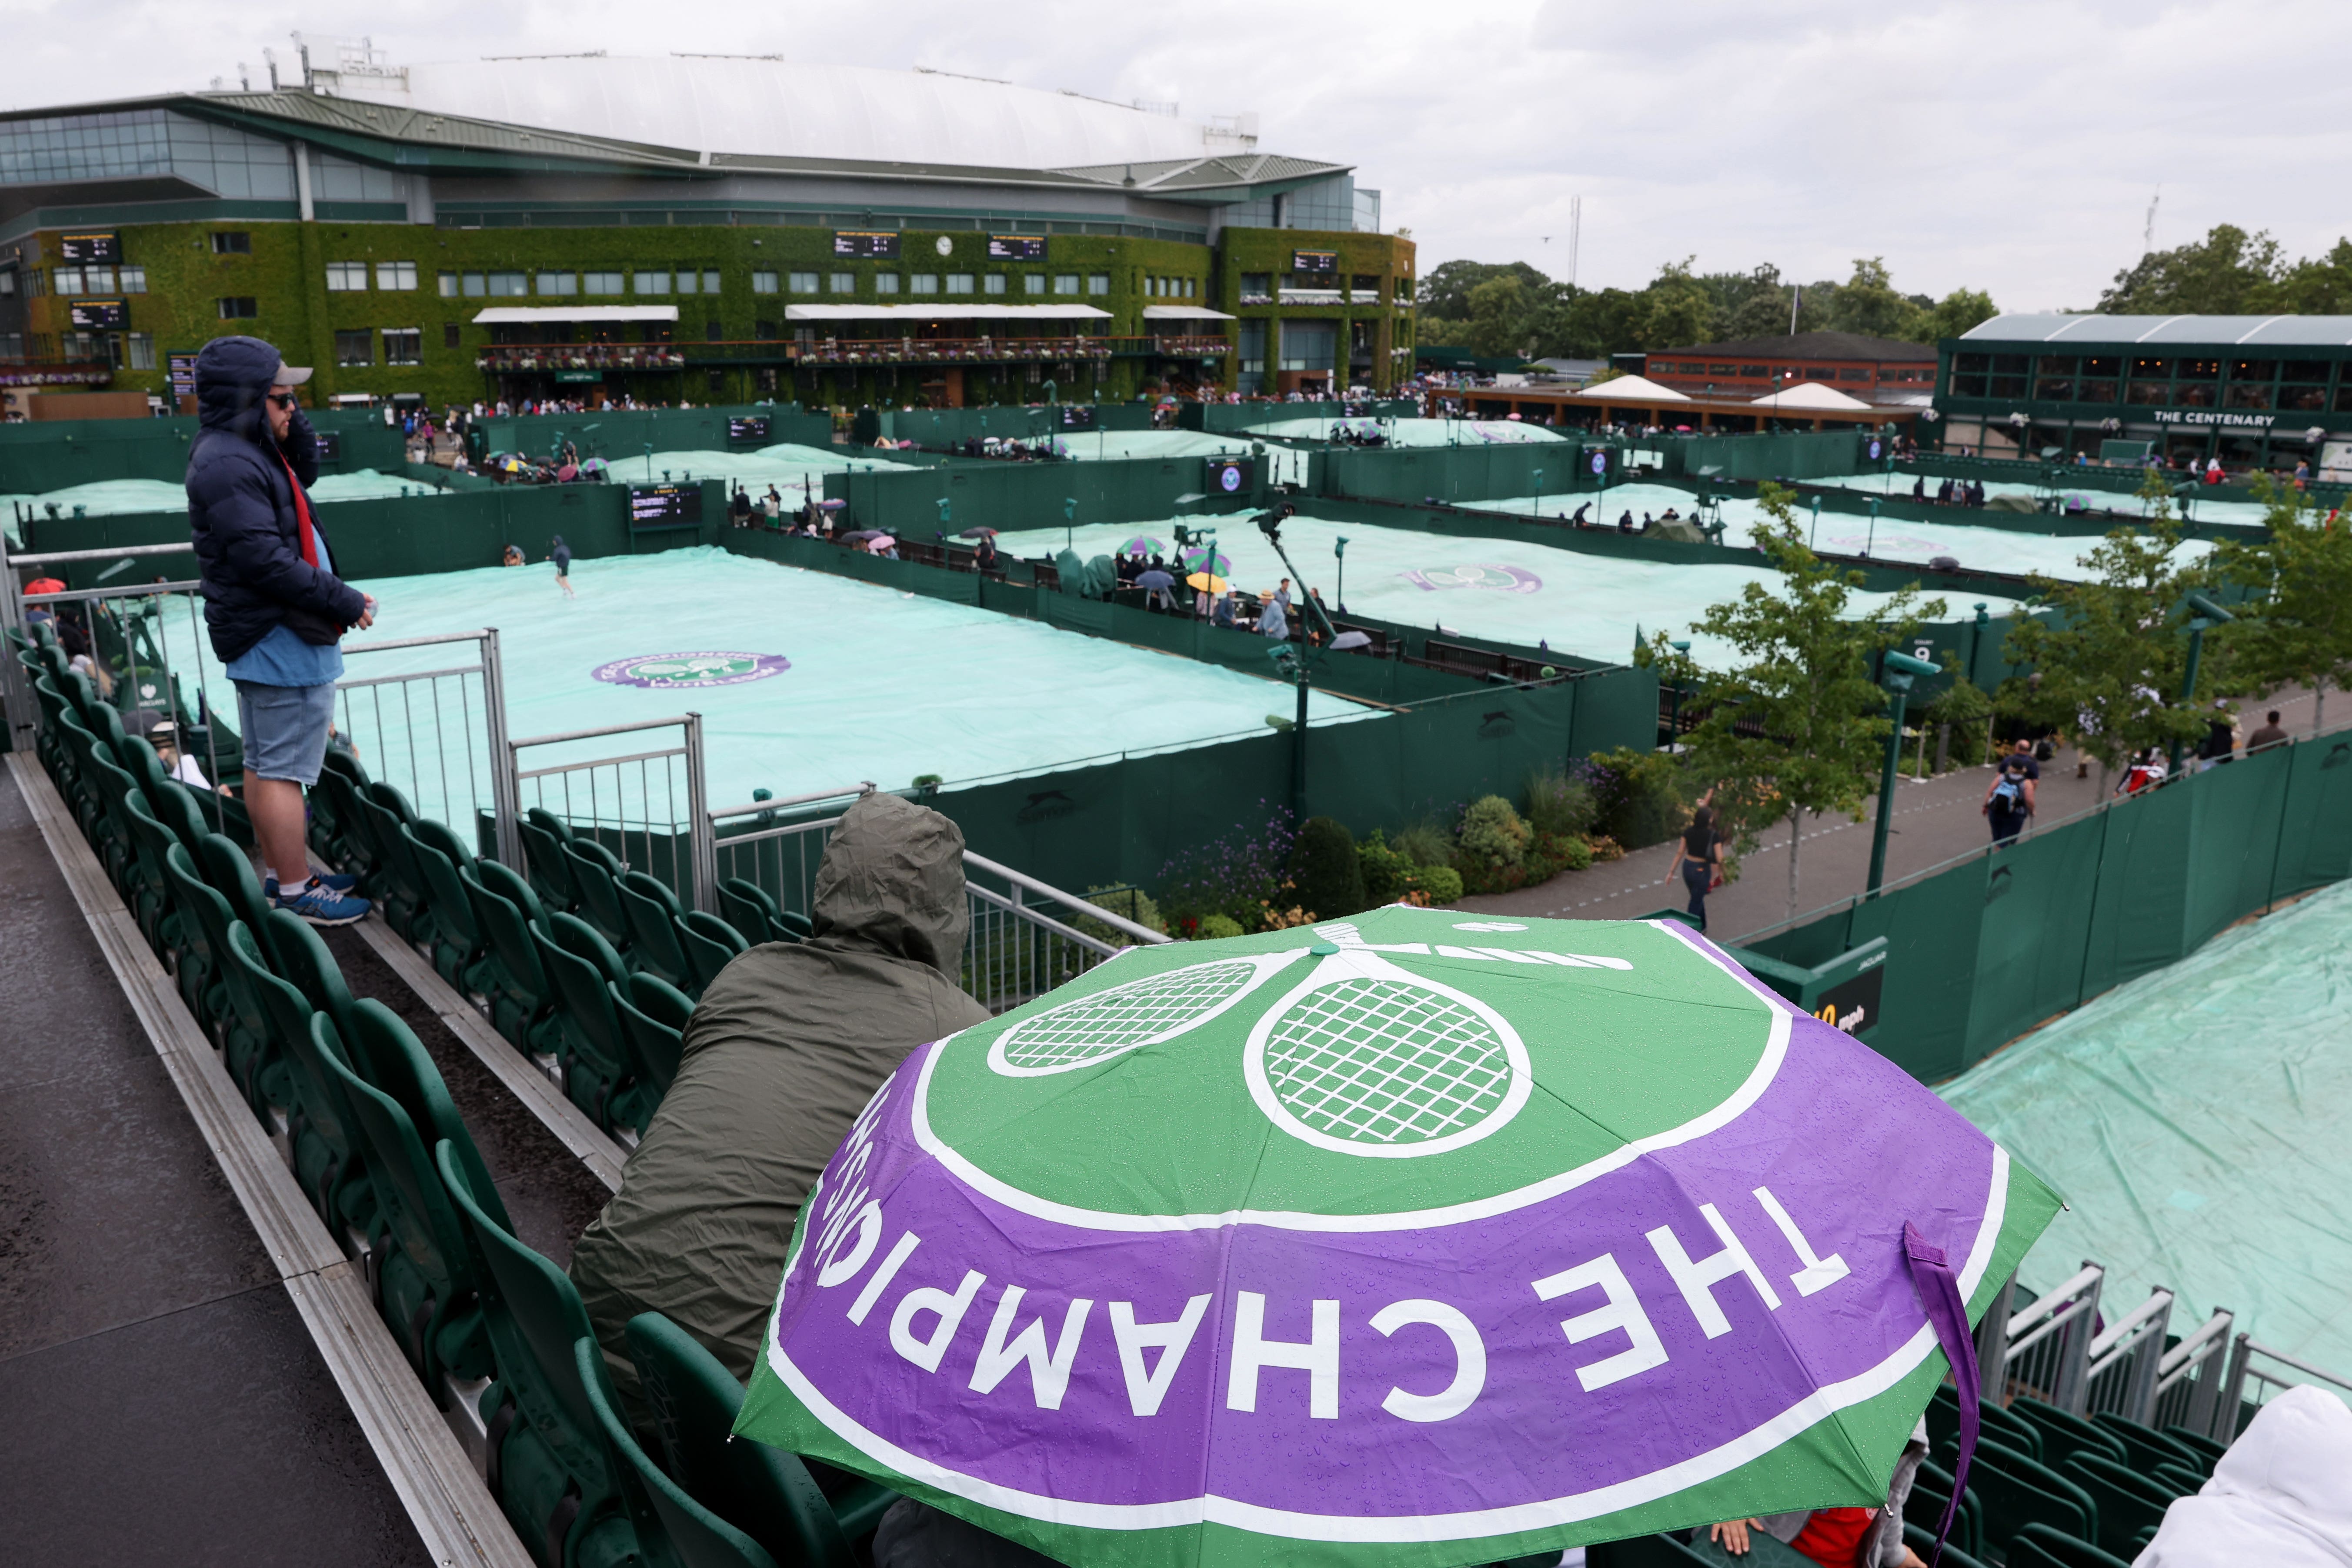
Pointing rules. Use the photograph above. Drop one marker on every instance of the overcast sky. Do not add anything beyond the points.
(2007, 147)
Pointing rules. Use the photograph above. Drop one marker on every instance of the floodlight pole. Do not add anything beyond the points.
(1872, 538)
(1895, 676)
(1069, 523)
(2204, 613)
(1340, 552)
(1302, 662)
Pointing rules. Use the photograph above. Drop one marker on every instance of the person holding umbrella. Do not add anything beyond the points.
(1158, 587)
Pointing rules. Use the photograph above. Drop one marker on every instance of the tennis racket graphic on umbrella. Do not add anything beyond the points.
(1141, 1013)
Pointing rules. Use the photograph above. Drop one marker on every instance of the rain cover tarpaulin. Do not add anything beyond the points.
(1416, 1239)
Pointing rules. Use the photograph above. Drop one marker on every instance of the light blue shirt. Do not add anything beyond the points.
(281, 658)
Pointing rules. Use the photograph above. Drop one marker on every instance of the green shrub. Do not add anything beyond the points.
(1325, 874)
(1426, 843)
(1643, 796)
(1561, 803)
(1388, 874)
(1441, 883)
(1127, 904)
(1492, 835)
(1213, 927)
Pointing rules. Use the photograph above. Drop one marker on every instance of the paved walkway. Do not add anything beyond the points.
(1935, 821)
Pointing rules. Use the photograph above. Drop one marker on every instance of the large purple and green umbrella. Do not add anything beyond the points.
(1418, 1239)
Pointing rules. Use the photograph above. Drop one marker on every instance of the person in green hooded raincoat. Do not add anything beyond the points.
(785, 1048)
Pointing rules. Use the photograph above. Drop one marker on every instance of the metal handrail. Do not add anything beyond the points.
(2128, 1329)
(1014, 906)
(861, 789)
(2049, 1303)
(2171, 1367)
(129, 591)
(62, 557)
(2302, 1366)
(1142, 934)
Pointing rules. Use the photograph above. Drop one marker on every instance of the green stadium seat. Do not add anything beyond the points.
(236, 1023)
(151, 840)
(658, 1507)
(2062, 1434)
(544, 835)
(303, 960)
(1944, 1422)
(2128, 1501)
(118, 844)
(2199, 1444)
(389, 1055)
(1643, 1551)
(399, 889)
(2179, 1479)
(352, 845)
(550, 1468)
(594, 876)
(597, 1060)
(426, 1290)
(457, 942)
(710, 943)
(746, 906)
(80, 788)
(180, 928)
(225, 866)
(2145, 1447)
(51, 748)
(521, 998)
(2017, 1490)
(181, 809)
(330, 1163)
(652, 910)
(1931, 1489)
(653, 1015)
(2043, 1546)
(766, 1493)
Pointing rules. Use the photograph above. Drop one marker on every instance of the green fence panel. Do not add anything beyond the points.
(2141, 919)
(2235, 811)
(618, 434)
(1781, 455)
(54, 454)
(2040, 895)
(2315, 845)
(1228, 418)
(1010, 496)
(1932, 931)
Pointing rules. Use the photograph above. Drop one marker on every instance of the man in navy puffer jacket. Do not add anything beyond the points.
(273, 605)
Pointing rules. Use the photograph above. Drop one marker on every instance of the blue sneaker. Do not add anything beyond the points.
(334, 882)
(323, 906)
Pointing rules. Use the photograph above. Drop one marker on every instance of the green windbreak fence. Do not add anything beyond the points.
(1227, 418)
(949, 427)
(56, 453)
(616, 434)
(1788, 455)
(1982, 951)
(1011, 496)
(400, 536)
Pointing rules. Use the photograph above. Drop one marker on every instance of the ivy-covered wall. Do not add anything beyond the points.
(285, 273)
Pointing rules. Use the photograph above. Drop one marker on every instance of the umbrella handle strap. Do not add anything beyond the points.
(1947, 1312)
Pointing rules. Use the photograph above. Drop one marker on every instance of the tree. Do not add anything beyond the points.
(1803, 680)
(2295, 626)
(1445, 288)
(1955, 313)
(1498, 316)
(2219, 275)
(2111, 662)
(1676, 310)
(1869, 304)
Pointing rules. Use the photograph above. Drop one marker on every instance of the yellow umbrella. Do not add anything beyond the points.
(1207, 584)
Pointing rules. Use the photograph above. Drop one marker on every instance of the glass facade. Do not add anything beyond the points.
(1332, 205)
(150, 142)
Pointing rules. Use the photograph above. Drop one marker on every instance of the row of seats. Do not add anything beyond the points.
(495, 1332)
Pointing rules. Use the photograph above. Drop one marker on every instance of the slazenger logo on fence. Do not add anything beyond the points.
(1495, 579)
(662, 671)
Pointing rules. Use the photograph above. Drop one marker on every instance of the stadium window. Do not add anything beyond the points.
(1191, 288)
(397, 276)
(452, 335)
(404, 345)
(886, 283)
(601, 283)
(765, 332)
(959, 282)
(67, 281)
(996, 283)
(649, 283)
(1032, 283)
(237, 308)
(232, 242)
(1065, 283)
(448, 285)
(142, 350)
(1854, 375)
(711, 280)
(926, 283)
(355, 348)
(134, 280)
(8, 285)
(1754, 372)
(1099, 283)
(559, 283)
(713, 332)
(510, 285)
(474, 288)
(687, 279)
(1257, 288)
(842, 283)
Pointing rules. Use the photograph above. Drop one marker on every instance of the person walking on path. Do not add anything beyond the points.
(2270, 735)
(1699, 859)
(2008, 799)
(274, 609)
(562, 555)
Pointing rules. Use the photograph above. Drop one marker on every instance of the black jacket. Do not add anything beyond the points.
(241, 511)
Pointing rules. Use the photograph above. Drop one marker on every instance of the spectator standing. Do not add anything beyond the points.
(2221, 743)
(2008, 799)
(561, 554)
(274, 609)
(2270, 735)
(1157, 588)
(1699, 859)
(1271, 622)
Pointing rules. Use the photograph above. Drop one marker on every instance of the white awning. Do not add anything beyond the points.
(1626, 389)
(523, 315)
(1810, 394)
(1183, 313)
(944, 312)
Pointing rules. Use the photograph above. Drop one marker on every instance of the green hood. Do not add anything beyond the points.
(892, 883)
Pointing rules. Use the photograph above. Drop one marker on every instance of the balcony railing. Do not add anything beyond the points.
(581, 356)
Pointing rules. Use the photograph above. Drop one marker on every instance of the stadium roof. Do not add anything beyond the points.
(1812, 345)
(2314, 332)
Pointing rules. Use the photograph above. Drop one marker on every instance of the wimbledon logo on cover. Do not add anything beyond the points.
(670, 671)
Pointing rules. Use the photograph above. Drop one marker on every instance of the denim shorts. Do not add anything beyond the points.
(284, 729)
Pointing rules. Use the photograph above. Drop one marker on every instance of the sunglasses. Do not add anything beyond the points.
(283, 399)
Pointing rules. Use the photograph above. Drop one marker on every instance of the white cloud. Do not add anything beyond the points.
(2011, 147)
